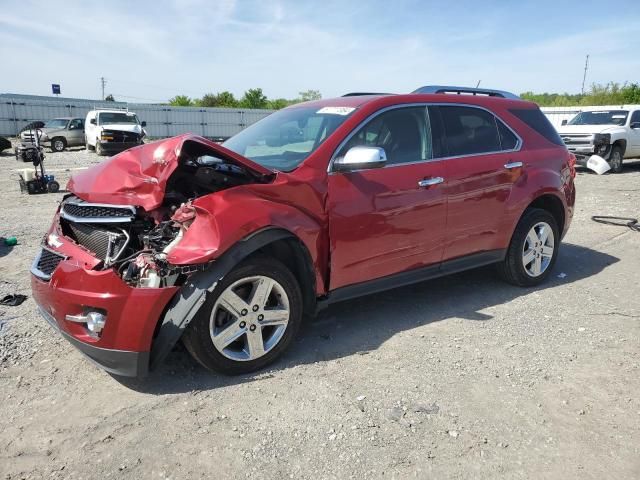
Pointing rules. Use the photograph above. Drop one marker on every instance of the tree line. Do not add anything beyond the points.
(609, 94)
(252, 98)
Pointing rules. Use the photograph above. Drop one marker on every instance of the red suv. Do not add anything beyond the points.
(228, 247)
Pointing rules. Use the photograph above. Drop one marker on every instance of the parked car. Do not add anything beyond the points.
(58, 133)
(5, 144)
(113, 131)
(229, 246)
(611, 134)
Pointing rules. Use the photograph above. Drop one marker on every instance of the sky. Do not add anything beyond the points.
(150, 51)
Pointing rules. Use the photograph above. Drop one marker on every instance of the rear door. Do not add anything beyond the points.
(381, 220)
(483, 162)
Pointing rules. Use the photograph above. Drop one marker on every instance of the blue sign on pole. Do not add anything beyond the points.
(55, 88)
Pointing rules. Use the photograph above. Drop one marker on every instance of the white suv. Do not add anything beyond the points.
(112, 131)
(611, 134)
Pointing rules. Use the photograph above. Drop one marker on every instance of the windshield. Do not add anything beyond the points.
(56, 123)
(600, 117)
(284, 139)
(109, 118)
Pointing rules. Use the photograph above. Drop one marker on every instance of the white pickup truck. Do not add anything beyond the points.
(112, 131)
(611, 134)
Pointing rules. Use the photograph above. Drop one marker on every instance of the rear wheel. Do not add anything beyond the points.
(615, 160)
(533, 249)
(249, 320)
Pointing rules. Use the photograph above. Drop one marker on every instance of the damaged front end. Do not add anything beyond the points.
(122, 254)
(160, 181)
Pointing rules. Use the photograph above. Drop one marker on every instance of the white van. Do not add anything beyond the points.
(112, 131)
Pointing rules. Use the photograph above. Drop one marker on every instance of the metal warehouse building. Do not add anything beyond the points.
(162, 120)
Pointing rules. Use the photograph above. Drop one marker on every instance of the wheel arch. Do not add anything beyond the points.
(552, 204)
(185, 304)
(622, 143)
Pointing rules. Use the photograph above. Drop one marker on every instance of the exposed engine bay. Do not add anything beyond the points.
(134, 242)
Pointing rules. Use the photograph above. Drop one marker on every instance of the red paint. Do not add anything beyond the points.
(357, 226)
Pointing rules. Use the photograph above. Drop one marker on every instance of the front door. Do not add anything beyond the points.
(390, 219)
(634, 135)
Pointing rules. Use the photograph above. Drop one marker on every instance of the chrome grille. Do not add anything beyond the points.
(76, 210)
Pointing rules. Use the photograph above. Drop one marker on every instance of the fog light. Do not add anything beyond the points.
(94, 321)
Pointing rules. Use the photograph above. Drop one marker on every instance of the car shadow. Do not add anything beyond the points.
(360, 326)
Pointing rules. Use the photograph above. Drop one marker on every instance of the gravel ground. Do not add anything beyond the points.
(462, 377)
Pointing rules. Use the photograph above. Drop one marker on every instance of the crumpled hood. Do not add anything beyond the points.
(583, 129)
(123, 127)
(139, 176)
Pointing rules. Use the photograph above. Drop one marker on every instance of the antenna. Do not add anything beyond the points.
(478, 84)
(103, 82)
(584, 77)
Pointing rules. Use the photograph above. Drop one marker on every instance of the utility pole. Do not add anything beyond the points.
(103, 82)
(584, 77)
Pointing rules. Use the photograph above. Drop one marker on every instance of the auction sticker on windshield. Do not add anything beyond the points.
(336, 110)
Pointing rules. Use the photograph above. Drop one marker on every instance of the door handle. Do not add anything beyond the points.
(427, 182)
(511, 165)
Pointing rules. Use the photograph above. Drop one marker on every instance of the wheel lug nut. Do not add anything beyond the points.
(260, 317)
(255, 308)
(252, 328)
(242, 324)
(244, 312)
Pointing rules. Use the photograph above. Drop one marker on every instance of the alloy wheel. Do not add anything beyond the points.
(249, 318)
(538, 249)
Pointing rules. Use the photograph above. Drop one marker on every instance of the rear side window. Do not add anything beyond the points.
(535, 119)
(469, 130)
(508, 140)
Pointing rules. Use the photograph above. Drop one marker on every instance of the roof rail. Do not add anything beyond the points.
(360, 94)
(466, 90)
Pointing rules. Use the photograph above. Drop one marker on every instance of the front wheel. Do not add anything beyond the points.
(58, 144)
(98, 147)
(615, 160)
(249, 320)
(533, 249)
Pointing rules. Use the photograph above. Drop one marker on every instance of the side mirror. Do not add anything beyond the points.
(635, 125)
(564, 122)
(73, 127)
(143, 124)
(93, 121)
(361, 158)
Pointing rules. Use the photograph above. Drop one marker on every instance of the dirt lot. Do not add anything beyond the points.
(463, 377)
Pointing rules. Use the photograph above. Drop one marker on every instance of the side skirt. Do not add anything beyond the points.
(412, 276)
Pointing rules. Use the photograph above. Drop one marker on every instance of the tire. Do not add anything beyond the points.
(615, 160)
(515, 268)
(216, 321)
(58, 144)
(53, 187)
(98, 148)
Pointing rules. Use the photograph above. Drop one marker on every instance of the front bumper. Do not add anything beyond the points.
(117, 147)
(132, 313)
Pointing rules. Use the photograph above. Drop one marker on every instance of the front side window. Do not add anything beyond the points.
(112, 118)
(77, 124)
(403, 133)
(57, 123)
(284, 139)
(469, 130)
(600, 117)
(635, 116)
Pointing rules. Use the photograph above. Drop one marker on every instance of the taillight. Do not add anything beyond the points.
(572, 165)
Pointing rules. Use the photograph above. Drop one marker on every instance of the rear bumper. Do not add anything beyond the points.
(132, 314)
